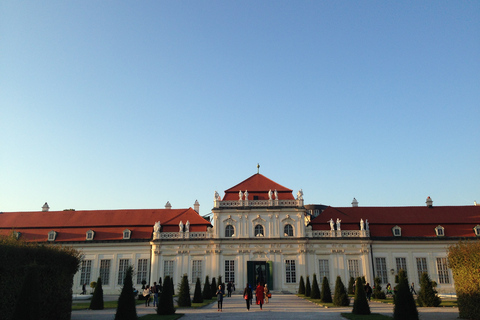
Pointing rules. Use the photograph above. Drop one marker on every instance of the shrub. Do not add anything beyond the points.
(126, 309)
(351, 284)
(315, 294)
(301, 286)
(377, 290)
(213, 288)
(326, 293)
(464, 260)
(197, 296)
(360, 303)
(97, 299)
(184, 293)
(341, 297)
(405, 307)
(308, 288)
(206, 290)
(165, 305)
(427, 295)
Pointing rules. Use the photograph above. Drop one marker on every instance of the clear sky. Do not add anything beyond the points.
(130, 104)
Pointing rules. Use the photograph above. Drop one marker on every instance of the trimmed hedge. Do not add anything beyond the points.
(326, 292)
(340, 297)
(360, 304)
(301, 286)
(45, 270)
(405, 307)
(315, 294)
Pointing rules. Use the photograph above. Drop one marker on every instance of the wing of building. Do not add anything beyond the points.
(260, 231)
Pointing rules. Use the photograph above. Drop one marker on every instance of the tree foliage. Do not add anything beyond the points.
(308, 288)
(184, 293)
(378, 293)
(405, 307)
(126, 309)
(97, 300)
(213, 288)
(340, 297)
(427, 295)
(197, 295)
(360, 303)
(464, 260)
(326, 295)
(206, 290)
(165, 305)
(315, 293)
(301, 286)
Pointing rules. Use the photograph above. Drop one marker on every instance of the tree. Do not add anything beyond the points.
(315, 294)
(405, 307)
(165, 305)
(301, 286)
(213, 288)
(326, 292)
(427, 295)
(197, 296)
(126, 309)
(97, 299)
(360, 303)
(184, 293)
(341, 297)
(308, 288)
(377, 289)
(464, 260)
(206, 290)
(351, 284)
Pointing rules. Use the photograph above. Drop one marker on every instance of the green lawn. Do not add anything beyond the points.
(157, 317)
(444, 303)
(319, 302)
(106, 305)
(373, 316)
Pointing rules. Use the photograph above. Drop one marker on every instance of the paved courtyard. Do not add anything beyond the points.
(281, 306)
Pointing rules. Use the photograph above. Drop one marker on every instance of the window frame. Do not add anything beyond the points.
(123, 265)
(290, 233)
(397, 231)
(229, 231)
(381, 269)
(260, 228)
(323, 269)
(52, 235)
(290, 271)
(90, 235)
(197, 266)
(127, 234)
(353, 268)
(104, 272)
(442, 270)
(229, 271)
(440, 231)
(86, 272)
(142, 270)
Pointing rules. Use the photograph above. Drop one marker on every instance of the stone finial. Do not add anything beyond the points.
(429, 202)
(45, 207)
(196, 206)
(168, 205)
(354, 203)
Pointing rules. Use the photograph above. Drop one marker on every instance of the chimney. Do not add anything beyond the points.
(354, 203)
(429, 202)
(45, 207)
(196, 206)
(168, 205)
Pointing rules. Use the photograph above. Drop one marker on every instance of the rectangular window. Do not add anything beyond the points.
(196, 270)
(381, 269)
(421, 267)
(229, 271)
(442, 268)
(105, 272)
(401, 263)
(353, 268)
(290, 271)
(142, 270)
(123, 265)
(323, 269)
(85, 272)
(168, 269)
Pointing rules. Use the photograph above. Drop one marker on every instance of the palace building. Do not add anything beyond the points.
(259, 231)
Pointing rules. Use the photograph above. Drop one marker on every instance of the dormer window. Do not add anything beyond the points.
(477, 230)
(52, 235)
(17, 234)
(126, 234)
(90, 235)
(440, 231)
(397, 231)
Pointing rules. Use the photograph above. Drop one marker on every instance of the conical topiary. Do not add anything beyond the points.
(315, 293)
(301, 286)
(427, 295)
(326, 295)
(378, 293)
(405, 307)
(97, 300)
(308, 288)
(184, 293)
(165, 303)
(360, 304)
(197, 296)
(206, 290)
(126, 309)
(341, 297)
(351, 286)
(213, 288)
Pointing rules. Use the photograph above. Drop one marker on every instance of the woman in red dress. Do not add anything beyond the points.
(259, 294)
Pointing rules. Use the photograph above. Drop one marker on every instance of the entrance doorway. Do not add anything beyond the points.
(260, 271)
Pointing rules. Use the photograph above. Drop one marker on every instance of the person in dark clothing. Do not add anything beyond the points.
(412, 288)
(229, 289)
(368, 291)
(247, 295)
(219, 294)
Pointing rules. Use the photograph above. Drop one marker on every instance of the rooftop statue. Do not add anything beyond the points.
(338, 224)
(332, 224)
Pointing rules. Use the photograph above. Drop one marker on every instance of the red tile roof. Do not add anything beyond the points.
(107, 224)
(458, 221)
(258, 185)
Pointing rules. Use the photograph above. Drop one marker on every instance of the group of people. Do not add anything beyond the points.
(149, 291)
(262, 293)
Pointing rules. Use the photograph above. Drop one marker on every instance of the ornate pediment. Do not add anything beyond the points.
(259, 219)
(229, 220)
(288, 219)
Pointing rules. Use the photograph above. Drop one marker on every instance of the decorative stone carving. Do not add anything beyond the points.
(362, 226)
(338, 224)
(187, 226)
(180, 226)
(332, 224)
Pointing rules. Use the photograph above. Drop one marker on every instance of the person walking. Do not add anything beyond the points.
(154, 291)
(247, 295)
(266, 293)
(368, 291)
(259, 295)
(229, 289)
(146, 295)
(412, 289)
(219, 294)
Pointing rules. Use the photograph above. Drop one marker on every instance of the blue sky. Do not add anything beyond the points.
(109, 105)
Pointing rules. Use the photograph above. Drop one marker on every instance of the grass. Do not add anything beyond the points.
(158, 317)
(106, 305)
(203, 304)
(445, 303)
(373, 316)
(319, 302)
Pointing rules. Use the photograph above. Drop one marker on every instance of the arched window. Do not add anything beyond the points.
(259, 230)
(229, 231)
(288, 230)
